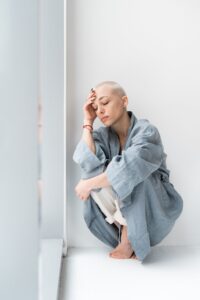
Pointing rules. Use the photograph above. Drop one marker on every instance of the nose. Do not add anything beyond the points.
(100, 110)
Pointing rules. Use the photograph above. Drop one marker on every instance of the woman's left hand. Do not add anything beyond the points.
(82, 189)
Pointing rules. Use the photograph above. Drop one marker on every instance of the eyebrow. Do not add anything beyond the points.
(101, 98)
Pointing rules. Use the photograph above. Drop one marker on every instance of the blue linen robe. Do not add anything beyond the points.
(139, 177)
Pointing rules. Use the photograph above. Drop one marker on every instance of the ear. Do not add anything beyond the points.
(125, 101)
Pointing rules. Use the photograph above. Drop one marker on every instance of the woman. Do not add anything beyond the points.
(125, 182)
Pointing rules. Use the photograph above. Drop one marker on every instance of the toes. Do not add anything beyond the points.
(116, 256)
(116, 253)
(112, 252)
(119, 255)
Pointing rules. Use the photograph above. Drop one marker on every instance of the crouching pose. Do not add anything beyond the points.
(129, 202)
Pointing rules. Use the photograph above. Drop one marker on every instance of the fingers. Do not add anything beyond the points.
(87, 104)
(92, 95)
(90, 99)
(81, 196)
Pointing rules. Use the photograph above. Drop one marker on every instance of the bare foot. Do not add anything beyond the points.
(124, 249)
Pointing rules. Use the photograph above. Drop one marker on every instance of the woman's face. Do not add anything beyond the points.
(108, 106)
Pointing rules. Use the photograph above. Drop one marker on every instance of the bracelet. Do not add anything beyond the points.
(86, 126)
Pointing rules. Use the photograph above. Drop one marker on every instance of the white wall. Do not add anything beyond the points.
(19, 230)
(152, 48)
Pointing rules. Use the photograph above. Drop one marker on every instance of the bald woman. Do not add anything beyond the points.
(129, 202)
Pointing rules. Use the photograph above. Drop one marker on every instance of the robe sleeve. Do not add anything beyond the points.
(137, 162)
(92, 164)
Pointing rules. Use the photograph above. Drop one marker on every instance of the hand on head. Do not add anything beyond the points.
(88, 110)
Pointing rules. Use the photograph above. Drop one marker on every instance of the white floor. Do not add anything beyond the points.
(168, 272)
(50, 259)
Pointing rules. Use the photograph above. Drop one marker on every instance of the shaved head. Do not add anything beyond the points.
(116, 87)
(110, 101)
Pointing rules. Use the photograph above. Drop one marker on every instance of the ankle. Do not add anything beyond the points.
(125, 242)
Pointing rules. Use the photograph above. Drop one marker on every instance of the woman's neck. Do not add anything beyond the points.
(122, 126)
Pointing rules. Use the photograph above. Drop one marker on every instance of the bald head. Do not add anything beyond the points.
(115, 87)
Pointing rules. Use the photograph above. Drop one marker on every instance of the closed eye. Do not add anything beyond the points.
(96, 107)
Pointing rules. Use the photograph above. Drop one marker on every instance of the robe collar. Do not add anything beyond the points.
(114, 140)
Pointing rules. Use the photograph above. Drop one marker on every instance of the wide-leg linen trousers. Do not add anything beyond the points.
(108, 203)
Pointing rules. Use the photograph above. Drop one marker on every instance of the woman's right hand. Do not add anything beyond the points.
(88, 110)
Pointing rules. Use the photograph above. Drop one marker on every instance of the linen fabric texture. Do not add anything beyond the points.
(140, 180)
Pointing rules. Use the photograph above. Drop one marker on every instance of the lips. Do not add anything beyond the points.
(104, 118)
